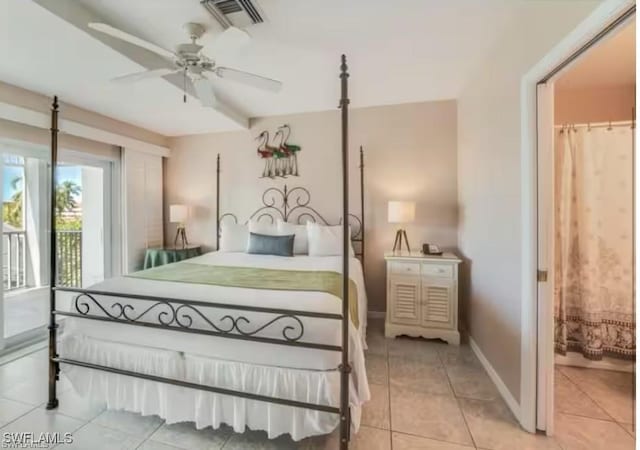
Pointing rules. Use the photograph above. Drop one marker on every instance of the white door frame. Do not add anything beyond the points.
(546, 214)
(603, 16)
(111, 201)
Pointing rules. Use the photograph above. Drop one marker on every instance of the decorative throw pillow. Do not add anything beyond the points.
(233, 237)
(301, 243)
(263, 227)
(326, 240)
(264, 244)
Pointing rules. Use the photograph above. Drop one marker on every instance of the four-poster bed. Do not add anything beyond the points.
(124, 306)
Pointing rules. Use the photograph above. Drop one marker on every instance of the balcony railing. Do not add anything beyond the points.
(69, 244)
(14, 259)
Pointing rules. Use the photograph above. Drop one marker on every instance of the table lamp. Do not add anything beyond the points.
(401, 212)
(178, 214)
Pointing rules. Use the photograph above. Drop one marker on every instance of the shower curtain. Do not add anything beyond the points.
(593, 245)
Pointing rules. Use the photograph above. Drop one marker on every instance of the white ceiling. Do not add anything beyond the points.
(612, 63)
(398, 51)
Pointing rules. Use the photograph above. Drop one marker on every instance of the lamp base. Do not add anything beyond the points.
(182, 234)
(400, 236)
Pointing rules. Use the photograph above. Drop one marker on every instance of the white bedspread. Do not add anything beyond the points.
(291, 372)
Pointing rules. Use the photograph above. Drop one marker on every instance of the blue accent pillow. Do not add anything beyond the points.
(264, 244)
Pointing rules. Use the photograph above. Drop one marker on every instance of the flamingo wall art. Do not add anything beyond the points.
(281, 158)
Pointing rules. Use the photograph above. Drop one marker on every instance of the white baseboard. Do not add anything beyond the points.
(376, 314)
(513, 405)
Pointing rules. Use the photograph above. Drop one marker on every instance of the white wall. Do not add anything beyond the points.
(489, 180)
(410, 153)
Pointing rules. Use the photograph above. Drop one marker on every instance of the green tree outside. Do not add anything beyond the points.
(12, 210)
(65, 198)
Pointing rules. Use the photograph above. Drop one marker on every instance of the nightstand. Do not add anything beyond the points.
(155, 257)
(422, 296)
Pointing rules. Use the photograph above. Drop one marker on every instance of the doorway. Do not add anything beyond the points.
(585, 206)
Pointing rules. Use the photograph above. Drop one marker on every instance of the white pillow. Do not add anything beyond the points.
(233, 237)
(263, 227)
(326, 240)
(300, 241)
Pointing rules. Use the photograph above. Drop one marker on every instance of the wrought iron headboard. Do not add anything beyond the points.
(293, 205)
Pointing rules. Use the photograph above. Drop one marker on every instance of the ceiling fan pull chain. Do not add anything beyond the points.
(184, 87)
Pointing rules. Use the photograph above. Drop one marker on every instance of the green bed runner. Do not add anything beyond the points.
(255, 278)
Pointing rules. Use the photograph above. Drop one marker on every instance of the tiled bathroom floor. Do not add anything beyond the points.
(425, 396)
(594, 399)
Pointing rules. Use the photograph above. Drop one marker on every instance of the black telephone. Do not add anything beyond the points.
(431, 249)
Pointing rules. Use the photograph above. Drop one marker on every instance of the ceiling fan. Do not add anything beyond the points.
(189, 60)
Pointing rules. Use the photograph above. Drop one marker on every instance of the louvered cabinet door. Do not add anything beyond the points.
(404, 293)
(437, 304)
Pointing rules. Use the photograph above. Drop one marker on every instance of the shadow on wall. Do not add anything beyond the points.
(464, 288)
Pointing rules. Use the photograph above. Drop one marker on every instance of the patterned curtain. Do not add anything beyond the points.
(593, 246)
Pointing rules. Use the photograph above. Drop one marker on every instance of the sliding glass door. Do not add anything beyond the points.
(83, 222)
(83, 230)
(24, 294)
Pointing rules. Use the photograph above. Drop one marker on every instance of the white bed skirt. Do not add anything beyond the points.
(178, 404)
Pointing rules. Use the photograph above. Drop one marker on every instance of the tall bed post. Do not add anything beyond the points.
(53, 326)
(218, 202)
(345, 368)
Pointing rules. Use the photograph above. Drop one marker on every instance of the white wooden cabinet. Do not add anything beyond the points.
(422, 296)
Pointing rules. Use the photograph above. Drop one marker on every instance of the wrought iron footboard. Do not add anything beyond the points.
(178, 315)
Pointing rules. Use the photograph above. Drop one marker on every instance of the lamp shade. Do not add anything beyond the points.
(178, 213)
(401, 212)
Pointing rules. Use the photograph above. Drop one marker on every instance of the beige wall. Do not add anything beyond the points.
(489, 180)
(410, 153)
(594, 104)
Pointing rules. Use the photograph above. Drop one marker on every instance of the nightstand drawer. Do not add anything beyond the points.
(437, 270)
(405, 268)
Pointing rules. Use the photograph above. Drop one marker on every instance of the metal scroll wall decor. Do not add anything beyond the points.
(280, 159)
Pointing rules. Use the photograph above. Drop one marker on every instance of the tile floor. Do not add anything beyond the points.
(25, 310)
(593, 406)
(425, 396)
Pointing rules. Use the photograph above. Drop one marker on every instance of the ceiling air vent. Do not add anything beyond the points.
(237, 13)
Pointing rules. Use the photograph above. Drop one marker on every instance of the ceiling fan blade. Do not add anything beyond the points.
(137, 76)
(203, 89)
(119, 34)
(249, 79)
